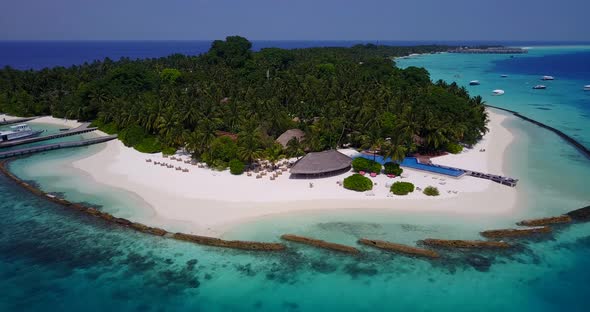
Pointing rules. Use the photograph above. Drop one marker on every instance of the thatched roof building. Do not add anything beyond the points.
(326, 163)
(288, 135)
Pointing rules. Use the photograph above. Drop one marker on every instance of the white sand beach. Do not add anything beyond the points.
(68, 123)
(213, 201)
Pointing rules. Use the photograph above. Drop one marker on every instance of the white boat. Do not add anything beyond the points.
(587, 88)
(474, 83)
(547, 78)
(540, 87)
(503, 76)
(498, 92)
(17, 132)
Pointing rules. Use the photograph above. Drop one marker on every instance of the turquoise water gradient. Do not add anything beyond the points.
(563, 104)
(54, 259)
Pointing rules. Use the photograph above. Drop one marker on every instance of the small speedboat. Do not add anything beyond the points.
(587, 88)
(17, 132)
(547, 78)
(474, 83)
(503, 76)
(498, 92)
(540, 87)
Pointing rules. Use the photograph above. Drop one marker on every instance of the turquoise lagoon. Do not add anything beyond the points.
(55, 259)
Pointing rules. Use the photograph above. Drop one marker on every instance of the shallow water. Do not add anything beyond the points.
(55, 259)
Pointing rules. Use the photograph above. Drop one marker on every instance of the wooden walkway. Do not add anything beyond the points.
(83, 128)
(54, 146)
(15, 121)
(496, 178)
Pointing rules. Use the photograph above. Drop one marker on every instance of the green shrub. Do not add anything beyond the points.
(169, 150)
(110, 128)
(367, 165)
(357, 182)
(431, 191)
(453, 148)
(236, 167)
(402, 188)
(223, 148)
(132, 135)
(149, 145)
(392, 168)
(218, 164)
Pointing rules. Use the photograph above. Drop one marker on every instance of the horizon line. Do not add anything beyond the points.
(295, 40)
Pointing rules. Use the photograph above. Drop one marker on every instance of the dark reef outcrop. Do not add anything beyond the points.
(546, 221)
(405, 249)
(516, 232)
(582, 214)
(320, 243)
(472, 244)
(218, 242)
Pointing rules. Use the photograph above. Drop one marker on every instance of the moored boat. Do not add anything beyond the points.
(474, 83)
(540, 87)
(498, 92)
(17, 132)
(547, 78)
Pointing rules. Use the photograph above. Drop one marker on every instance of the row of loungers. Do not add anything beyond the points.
(169, 166)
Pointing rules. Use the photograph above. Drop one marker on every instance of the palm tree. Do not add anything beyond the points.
(199, 140)
(294, 148)
(249, 141)
(395, 150)
(274, 153)
(373, 140)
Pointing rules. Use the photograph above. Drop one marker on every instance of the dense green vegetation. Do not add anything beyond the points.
(402, 188)
(357, 182)
(453, 148)
(236, 166)
(337, 96)
(392, 168)
(362, 164)
(431, 191)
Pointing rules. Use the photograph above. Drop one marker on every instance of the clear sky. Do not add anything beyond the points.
(550, 20)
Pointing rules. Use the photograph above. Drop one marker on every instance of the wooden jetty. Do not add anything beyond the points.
(15, 121)
(83, 128)
(49, 147)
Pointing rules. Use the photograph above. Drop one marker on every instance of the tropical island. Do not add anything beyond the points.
(261, 114)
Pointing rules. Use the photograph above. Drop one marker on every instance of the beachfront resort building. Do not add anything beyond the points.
(321, 164)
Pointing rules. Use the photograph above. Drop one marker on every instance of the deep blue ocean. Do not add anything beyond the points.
(54, 259)
(40, 54)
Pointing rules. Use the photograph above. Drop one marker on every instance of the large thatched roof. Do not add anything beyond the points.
(288, 135)
(321, 163)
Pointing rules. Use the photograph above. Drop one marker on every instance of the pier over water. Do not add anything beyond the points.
(49, 147)
(83, 128)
